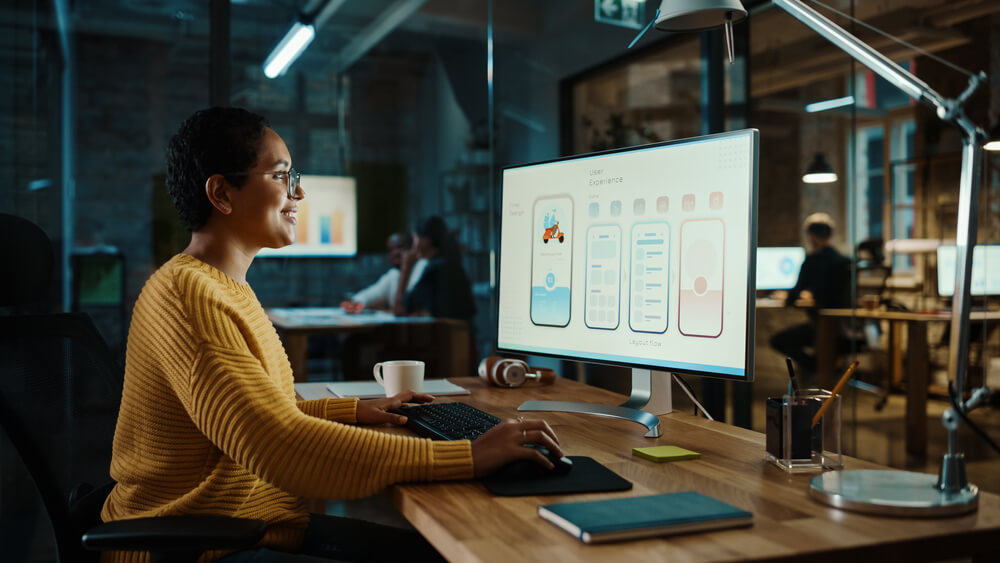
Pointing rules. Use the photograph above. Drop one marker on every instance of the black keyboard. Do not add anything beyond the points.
(448, 421)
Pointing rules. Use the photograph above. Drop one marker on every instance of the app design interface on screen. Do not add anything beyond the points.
(639, 256)
(552, 261)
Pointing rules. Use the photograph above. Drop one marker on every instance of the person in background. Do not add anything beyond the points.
(382, 293)
(209, 422)
(823, 283)
(442, 288)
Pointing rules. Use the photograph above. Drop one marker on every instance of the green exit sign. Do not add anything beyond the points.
(626, 13)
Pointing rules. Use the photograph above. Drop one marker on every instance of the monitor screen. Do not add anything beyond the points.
(778, 266)
(985, 270)
(639, 257)
(328, 219)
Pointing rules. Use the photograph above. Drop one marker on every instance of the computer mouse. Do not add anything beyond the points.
(530, 469)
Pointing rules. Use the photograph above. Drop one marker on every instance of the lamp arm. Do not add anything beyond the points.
(948, 110)
(865, 54)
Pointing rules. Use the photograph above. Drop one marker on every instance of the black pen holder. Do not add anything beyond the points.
(793, 442)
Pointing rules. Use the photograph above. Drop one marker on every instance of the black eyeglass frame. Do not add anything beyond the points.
(293, 179)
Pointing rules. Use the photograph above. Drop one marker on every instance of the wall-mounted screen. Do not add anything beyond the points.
(328, 219)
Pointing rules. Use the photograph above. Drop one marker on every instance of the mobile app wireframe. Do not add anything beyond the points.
(603, 285)
(551, 260)
(699, 308)
(650, 278)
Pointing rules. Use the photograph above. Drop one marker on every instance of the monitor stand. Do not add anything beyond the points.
(651, 396)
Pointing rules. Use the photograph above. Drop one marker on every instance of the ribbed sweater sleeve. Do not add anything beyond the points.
(338, 410)
(240, 407)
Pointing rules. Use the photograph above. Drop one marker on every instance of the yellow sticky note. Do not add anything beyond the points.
(660, 454)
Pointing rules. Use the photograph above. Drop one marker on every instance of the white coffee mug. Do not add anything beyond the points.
(397, 376)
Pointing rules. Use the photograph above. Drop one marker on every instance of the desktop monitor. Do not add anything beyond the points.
(328, 219)
(640, 257)
(985, 270)
(778, 266)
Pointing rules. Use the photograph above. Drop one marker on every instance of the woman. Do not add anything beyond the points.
(209, 423)
(443, 288)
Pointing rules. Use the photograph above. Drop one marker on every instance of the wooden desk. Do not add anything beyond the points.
(465, 523)
(917, 358)
(296, 324)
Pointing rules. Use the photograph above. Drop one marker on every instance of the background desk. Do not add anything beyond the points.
(465, 523)
(296, 324)
(917, 358)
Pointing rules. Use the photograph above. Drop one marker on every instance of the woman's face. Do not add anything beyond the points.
(264, 215)
(423, 246)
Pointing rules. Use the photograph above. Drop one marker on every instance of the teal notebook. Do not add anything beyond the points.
(640, 517)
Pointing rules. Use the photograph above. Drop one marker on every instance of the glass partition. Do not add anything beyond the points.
(424, 103)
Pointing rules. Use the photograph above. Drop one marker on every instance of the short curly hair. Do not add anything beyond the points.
(212, 141)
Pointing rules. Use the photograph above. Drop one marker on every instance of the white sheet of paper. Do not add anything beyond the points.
(371, 389)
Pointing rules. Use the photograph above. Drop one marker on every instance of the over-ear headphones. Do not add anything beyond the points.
(507, 372)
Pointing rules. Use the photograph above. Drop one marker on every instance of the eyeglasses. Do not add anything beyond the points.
(292, 179)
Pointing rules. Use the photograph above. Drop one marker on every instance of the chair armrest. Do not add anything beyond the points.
(164, 534)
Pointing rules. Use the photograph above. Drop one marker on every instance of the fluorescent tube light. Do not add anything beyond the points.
(291, 46)
(992, 146)
(830, 104)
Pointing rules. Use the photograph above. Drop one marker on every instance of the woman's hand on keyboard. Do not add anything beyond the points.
(505, 443)
(376, 411)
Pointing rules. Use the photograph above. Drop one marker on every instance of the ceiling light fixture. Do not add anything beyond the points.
(820, 171)
(288, 49)
(830, 104)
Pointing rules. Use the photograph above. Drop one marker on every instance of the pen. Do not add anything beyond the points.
(836, 390)
(791, 374)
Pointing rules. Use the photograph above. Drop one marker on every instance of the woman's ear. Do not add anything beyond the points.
(217, 191)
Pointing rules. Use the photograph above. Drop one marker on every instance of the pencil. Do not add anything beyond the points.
(833, 394)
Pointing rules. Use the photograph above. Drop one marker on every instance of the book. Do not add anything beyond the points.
(372, 390)
(641, 517)
(660, 454)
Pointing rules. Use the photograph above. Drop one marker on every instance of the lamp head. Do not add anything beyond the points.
(820, 171)
(698, 15)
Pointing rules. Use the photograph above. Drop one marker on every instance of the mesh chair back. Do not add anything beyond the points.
(60, 389)
(28, 252)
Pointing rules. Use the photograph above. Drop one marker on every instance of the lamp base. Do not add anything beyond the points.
(891, 493)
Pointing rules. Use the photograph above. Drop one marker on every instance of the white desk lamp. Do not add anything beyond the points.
(888, 492)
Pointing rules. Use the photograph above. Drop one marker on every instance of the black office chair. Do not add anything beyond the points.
(59, 393)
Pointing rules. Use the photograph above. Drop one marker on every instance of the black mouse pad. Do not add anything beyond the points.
(587, 476)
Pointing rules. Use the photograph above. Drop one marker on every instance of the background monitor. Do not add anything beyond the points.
(778, 266)
(328, 219)
(985, 270)
(640, 257)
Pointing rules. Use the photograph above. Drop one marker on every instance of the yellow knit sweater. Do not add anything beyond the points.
(209, 423)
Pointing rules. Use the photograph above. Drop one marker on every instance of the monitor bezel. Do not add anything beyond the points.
(748, 376)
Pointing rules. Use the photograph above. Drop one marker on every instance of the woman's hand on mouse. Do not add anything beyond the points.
(506, 442)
